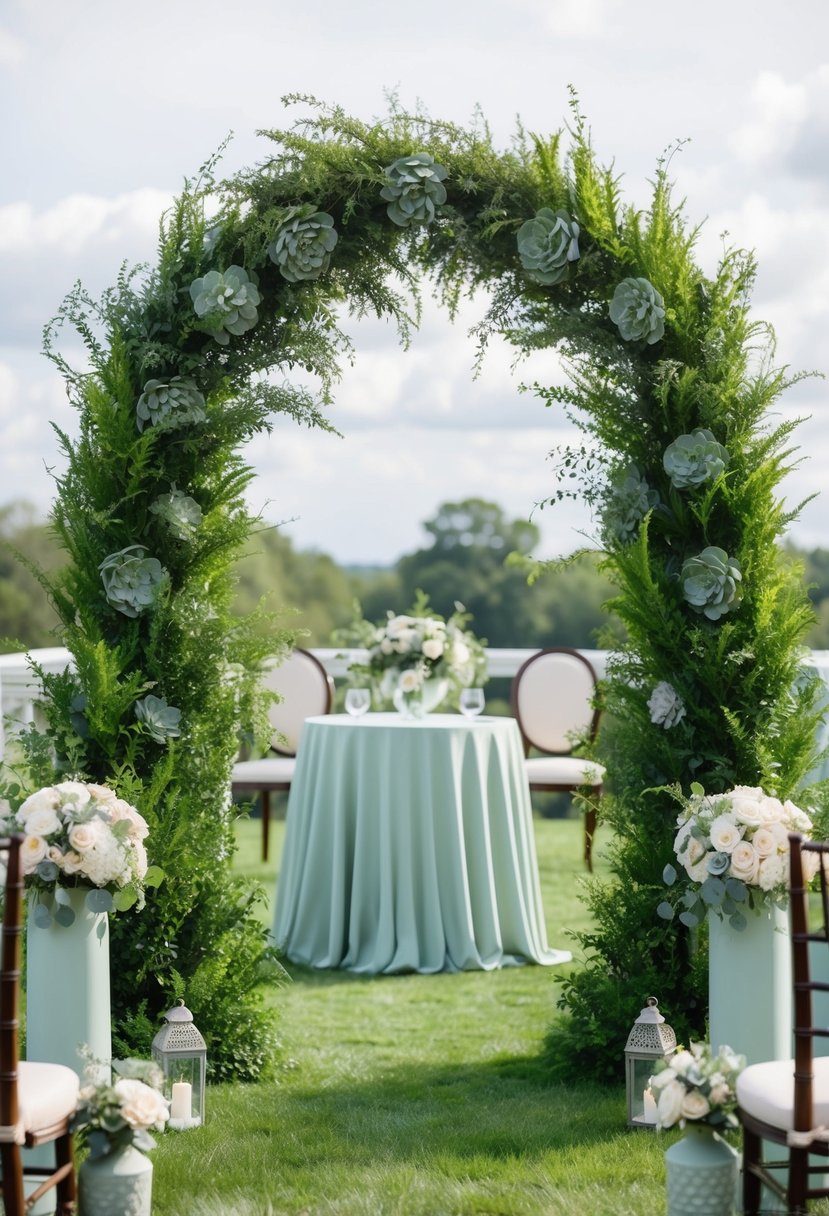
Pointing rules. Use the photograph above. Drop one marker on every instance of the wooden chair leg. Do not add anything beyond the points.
(14, 1203)
(589, 833)
(752, 1146)
(265, 804)
(67, 1191)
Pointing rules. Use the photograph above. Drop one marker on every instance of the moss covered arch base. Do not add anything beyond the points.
(251, 273)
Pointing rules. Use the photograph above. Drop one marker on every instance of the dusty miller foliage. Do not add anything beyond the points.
(748, 718)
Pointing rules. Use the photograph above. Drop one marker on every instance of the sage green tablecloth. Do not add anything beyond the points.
(409, 847)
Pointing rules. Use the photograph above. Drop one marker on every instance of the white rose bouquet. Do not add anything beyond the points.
(112, 1117)
(408, 650)
(698, 1086)
(734, 848)
(82, 835)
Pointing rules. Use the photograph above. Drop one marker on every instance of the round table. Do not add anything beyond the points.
(409, 846)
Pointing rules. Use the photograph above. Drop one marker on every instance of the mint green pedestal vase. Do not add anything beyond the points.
(67, 990)
(750, 986)
(67, 1004)
(120, 1184)
(702, 1172)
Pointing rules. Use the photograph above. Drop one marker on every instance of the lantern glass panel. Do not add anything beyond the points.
(641, 1108)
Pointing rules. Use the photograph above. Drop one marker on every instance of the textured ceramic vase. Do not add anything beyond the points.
(702, 1173)
(120, 1184)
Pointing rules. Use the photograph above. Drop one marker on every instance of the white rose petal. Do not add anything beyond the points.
(694, 1105)
(43, 800)
(32, 852)
(141, 1105)
(725, 833)
(744, 862)
(43, 821)
(669, 1105)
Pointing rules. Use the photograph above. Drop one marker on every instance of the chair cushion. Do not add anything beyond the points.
(563, 770)
(47, 1093)
(766, 1091)
(271, 770)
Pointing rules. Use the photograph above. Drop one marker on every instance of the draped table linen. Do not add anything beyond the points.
(409, 846)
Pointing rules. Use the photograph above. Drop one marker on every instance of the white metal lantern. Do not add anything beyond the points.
(651, 1039)
(181, 1053)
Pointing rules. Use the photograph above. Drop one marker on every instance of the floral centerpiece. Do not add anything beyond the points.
(111, 1117)
(697, 1086)
(734, 849)
(410, 651)
(82, 835)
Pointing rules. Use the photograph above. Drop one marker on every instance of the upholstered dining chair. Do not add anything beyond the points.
(36, 1100)
(306, 689)
(552, 701)
(786, 1102)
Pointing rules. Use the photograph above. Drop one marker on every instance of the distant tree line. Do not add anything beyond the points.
(473, 555)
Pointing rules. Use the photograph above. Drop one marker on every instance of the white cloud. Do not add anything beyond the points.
(79, 221)
(12, 50)
(573, 18)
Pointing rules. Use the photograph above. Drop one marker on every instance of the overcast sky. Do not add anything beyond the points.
(107, 106)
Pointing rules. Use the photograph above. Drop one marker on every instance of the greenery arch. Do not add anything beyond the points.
(151, 510)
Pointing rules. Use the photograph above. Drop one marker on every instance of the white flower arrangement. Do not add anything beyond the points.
(112, 1116)
(698, 1086)
(410, 649)
(82, 835)
(734, 849)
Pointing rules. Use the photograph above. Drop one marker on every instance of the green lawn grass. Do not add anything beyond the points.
(417, 1095)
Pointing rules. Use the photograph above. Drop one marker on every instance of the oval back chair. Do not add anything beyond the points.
(37, 1100)
(552, 701)
(306, 690)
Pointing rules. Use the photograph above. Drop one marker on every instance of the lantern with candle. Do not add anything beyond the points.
(181, 1053)
(650, 1039)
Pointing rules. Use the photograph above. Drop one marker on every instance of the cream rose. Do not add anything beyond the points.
(141, 1105)
(32, 852)
(694, 1105)
(83, 836)
(71, 863)
(747, 810)
(744, 862)
(725, 833)
(43, 821)
(42, 800)
(73, 791)
(765, 842)
(669, 1104)
(433, 648)
(410, 680)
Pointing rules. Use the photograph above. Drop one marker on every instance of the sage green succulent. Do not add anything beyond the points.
(639, 311)
(693, 459)
(415, 190)
(131, 579)
(168, 404)
(182, 514)
(160, 720)
(303, 244)
(226, 301)
(628, 502)
(711, 583)
(547, 245)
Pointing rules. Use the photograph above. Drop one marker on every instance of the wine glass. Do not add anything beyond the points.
(472, 702)
(357, 701)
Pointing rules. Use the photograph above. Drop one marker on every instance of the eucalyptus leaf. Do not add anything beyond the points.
(99, 901)
(697, 789)
(713, 891)
(669, 875)
(737, 889)
(689, 898)
(126, 898)
(62, 896)
(738, 922)
(65, 916)
(689, 919)
(41, 916)
(665, 910)
(154, 876)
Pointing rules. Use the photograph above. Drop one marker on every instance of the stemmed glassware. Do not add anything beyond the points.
(472, 702)
(357, 701)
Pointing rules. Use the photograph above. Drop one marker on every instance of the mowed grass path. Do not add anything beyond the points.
(417, 1095)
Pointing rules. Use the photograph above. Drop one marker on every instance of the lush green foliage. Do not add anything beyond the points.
(177, 384)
